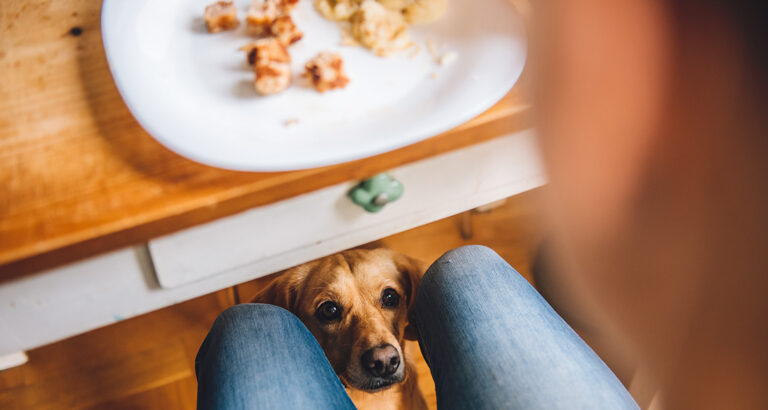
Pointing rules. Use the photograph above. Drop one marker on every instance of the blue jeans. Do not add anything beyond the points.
(491, 342)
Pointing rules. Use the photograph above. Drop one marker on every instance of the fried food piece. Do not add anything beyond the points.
(271, 65)
(337, 9)
(425, 11)
(260, 17)
(285, 30)
(261, 52)
(264, 13)
(287, 6)
(380, 29)
(221, 16)
(272, 78)
(326, 72)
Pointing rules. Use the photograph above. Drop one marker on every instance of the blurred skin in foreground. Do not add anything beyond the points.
(653, 124)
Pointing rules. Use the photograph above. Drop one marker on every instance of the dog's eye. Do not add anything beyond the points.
(389, 298)
(328, 312)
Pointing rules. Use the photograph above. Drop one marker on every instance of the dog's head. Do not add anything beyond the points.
(356, 304)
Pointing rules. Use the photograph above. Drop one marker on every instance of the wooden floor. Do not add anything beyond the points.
(147, 362)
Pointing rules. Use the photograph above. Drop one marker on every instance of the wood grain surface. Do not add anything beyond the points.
(79, 176)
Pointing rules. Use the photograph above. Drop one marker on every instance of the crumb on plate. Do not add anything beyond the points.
(431, 48)
(415, 51)
(448, 58)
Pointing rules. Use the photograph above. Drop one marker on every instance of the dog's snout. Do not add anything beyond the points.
(381, 361)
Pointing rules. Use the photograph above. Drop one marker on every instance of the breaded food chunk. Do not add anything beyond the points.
(266, 50)
(221, 16)
(285, 30)
(271, 65)
(263, 14)
(380, 29)
(272, 78)
(287, 6)
(326, 72)
(260, 17)
(425, 11)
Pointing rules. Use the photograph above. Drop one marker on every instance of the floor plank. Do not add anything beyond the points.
(179, 395)
(125, 376)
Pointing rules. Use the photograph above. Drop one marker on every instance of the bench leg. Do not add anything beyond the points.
(228, 297)
(465, 226)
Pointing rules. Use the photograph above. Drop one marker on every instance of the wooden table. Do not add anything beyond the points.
(79, 176)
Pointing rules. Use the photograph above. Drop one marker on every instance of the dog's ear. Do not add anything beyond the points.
(412, 271)
(284, 290)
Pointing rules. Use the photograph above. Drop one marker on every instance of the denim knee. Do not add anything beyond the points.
(253, 321)
(468, 271)
(467, 253)
(254, 313)
(250, 310)
(458, 264)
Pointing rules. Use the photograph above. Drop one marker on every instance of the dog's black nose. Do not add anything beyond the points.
(381, 361)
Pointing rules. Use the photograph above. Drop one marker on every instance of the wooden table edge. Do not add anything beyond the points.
(50, 253)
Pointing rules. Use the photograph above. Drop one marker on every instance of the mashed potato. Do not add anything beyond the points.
(380, 29)
(380, 25)
(425, 11)
(337, 9)
(396, 5)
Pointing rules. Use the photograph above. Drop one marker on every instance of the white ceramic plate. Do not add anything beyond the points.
(193, 92)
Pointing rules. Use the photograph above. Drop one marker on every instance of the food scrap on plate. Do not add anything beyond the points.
(380, 25)
(221, 16)
(326, 72)
(285, 30)
(271, 22)
(271, 65)
(263, 14)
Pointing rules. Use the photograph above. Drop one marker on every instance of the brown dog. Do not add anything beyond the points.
(356, 304)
